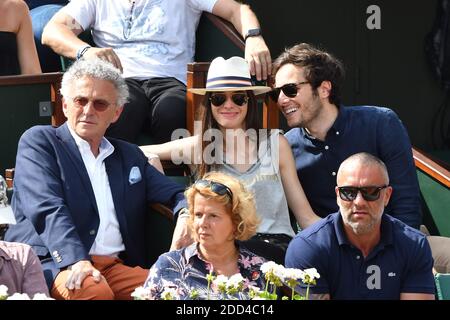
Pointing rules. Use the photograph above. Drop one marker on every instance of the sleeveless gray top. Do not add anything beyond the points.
(264, 181)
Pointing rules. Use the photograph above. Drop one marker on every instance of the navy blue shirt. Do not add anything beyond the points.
(374, 130)
(400, 263)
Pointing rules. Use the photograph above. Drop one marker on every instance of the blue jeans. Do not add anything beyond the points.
(49, 60)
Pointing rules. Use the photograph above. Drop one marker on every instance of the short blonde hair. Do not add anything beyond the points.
(241, 208)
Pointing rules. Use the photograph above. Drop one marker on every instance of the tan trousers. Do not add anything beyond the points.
(120, 282)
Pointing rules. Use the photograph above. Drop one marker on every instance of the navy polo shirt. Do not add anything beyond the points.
(400, 263)
(375, 130)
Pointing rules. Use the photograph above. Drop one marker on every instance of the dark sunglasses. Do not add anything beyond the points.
(99, 105)
(289, 90)
(215, 187)
(219, 99)
(368, 193)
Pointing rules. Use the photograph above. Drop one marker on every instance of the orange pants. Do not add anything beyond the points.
(121, 281)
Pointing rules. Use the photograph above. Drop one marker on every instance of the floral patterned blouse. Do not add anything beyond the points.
(185, 272)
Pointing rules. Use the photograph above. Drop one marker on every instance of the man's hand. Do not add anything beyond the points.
(106, 54)
(243, 19)
(154, 160)
(79, 271)
(181, 235)
(258, 57)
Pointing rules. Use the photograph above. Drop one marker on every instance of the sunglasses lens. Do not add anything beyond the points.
(100, 105)
(202, 183)
(289, 90)
(370, 193)
(215, 187)
(218, 99)
(239, 99)
(348, 193)
(274, 94)
(219, 189)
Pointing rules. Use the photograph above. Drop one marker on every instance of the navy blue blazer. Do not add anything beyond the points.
(55, 206)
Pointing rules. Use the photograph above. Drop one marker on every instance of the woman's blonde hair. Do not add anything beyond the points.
(241, 207)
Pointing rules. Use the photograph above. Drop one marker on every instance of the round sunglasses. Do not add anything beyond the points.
(219, 99)
(99, 104)
(289, 89)
(371, 193)
(216, 187)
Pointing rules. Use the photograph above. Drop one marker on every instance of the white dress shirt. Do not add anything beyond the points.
(108, 241)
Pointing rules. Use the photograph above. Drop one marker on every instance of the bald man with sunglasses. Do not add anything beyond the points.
(308, 83)
(361, 252)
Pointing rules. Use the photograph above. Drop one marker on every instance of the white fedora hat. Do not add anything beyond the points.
(229, 75)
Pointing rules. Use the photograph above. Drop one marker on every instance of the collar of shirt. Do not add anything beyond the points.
(386, 232)
(192, 251)
(338, 127)
(4, 254)
(106, 149)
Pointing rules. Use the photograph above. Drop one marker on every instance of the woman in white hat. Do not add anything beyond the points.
(231, 142)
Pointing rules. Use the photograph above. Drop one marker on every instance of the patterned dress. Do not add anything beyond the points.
(185, 272)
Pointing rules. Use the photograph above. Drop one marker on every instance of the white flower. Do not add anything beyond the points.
(258, 298)
(293, 274)
(273, 268)
(268, 266)
(254, 289)
(220, 281)
(3, 292)
(141, 293)
(169, 294)
(41, 296)
(312, 274)
(279, 271)
(235, 281)
(19, 296)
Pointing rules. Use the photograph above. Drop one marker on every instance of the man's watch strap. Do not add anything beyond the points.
(252, 33)
(183, 213)
(82, 51)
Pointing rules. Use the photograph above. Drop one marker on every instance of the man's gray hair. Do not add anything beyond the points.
(97, 69)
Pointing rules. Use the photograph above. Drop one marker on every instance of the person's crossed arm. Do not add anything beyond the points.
(257, 53)
(61, 34)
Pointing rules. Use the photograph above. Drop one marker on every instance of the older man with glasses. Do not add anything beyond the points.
(80, 200)
(361, 252)
(308, 84)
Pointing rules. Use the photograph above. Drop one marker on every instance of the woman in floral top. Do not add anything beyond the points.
(221, 214)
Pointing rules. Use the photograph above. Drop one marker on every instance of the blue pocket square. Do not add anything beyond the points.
(135, 175)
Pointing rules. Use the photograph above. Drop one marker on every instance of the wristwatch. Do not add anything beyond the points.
(82, 51)
(252, 33)
(184, 212)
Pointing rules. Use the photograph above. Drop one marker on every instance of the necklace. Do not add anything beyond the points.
(129, 22)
